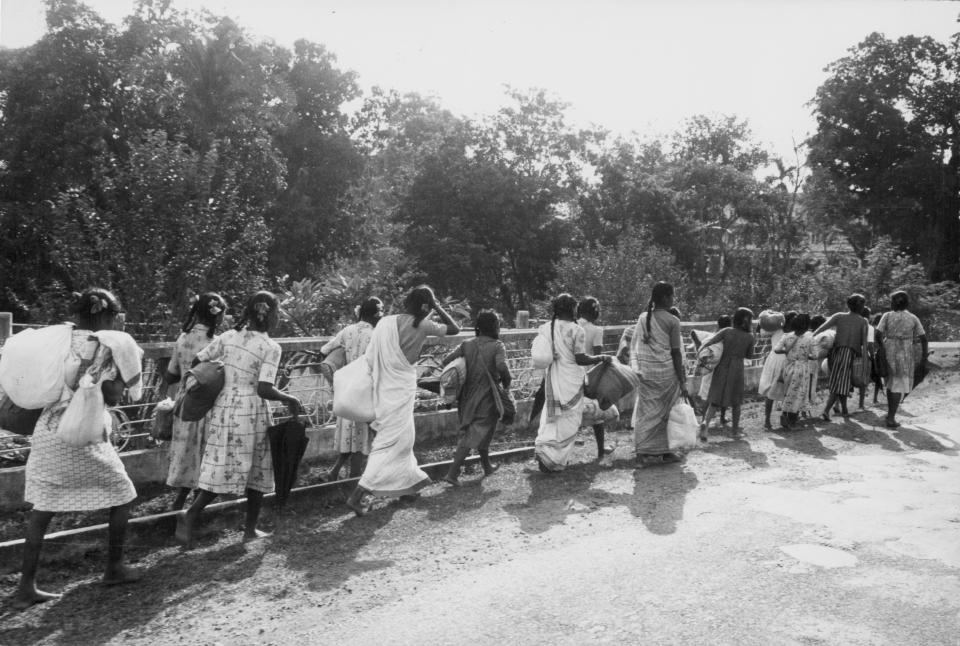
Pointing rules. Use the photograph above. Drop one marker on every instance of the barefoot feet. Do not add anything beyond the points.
(23, 599)
(120, 574)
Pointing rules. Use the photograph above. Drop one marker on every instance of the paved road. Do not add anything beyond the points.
(843, 534)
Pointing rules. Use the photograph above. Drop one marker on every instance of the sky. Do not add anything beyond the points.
(626, 65)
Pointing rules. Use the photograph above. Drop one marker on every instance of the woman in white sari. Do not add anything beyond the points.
(392, 354)
(563, 387)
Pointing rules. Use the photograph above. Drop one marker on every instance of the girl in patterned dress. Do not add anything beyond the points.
(901, 329)
(60, 477)
(352, 439)
(796, 348)
(237, 458)
(189, 438)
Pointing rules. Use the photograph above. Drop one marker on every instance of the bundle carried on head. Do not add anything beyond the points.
(771, 321)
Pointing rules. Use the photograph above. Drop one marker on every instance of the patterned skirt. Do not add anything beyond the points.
(841, 362)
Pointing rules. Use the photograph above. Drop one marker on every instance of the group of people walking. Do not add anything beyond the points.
(857, 352)
(227, 452)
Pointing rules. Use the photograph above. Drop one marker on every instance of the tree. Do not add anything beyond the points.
(888, 140)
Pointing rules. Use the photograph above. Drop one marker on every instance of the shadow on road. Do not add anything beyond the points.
(89, 613)
(740, 450)
(804, 440)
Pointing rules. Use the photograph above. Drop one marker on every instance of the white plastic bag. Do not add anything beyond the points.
(452, 379)
(541, 351)
(32, 365)
(86, 419)
(353, 391)
(682, 426)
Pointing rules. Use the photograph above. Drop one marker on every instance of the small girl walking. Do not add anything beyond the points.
(190, 438)
(796, 348)
(726, 389)
(771, 378)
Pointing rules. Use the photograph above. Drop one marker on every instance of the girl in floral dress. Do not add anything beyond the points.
(189, 438)
(901, 330)
(797, 348)
(237, 458)
(60, 477)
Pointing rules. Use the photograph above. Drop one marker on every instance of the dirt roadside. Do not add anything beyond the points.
(721, 549)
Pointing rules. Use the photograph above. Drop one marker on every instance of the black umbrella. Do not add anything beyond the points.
(288, 441)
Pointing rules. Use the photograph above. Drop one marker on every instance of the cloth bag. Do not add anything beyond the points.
(682, 426)
(201, 387)
(86, 420)
(452, 379)
(608, 383)
(333, 362)
(860, 370)
(353, 391)
(593, 414)
(541, 350)
(162, 427)
(32, 366)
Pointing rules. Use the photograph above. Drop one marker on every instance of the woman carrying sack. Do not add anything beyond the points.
(351, 440)
(188, 439)
(61, 477)
(392, 355)
(477, 409)
(237, 459)
(563, 386)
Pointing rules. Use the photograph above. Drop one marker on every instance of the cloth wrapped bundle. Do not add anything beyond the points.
(452, 379)
(771, 321)
(593, 414)
(609, 382)
(824, 342)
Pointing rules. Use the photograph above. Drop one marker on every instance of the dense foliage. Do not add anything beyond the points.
(177, 154)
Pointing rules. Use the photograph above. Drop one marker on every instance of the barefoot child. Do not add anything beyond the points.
(727, 386)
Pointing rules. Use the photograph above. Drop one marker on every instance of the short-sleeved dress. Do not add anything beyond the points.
(237, 455)
(350, 436)
(796, 371)
(593, 333)
(900, 330)
(189, 438)
(60, 477)
(476, 407)
(726, 389)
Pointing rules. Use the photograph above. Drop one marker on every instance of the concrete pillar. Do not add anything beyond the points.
(6, 326)
(523, 319)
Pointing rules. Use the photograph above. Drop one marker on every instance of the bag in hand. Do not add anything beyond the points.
(860, 371)
(682, 426)
(201, 387)
(86, 420)
(162, 428)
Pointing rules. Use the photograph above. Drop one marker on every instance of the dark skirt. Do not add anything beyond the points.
(841, 362)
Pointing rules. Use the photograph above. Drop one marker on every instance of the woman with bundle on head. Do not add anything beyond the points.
(486, 359)
(797, 349)
(63, 477)
(237, 457)
(850, 342)
(771, 386)
(901, 330)
(189, 438)
(588, 313)
(657, 357)
(726, 389)
(563, 386)
(352, 439)
(392, 355)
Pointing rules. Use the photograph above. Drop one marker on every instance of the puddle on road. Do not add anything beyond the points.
(826, 557)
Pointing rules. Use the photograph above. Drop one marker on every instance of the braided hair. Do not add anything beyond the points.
(257, 312)
(95, 308)
(658, 297)
(415, 300)
(206, 309)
